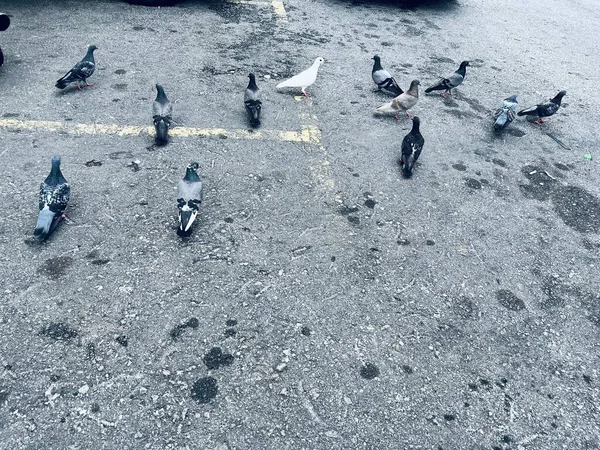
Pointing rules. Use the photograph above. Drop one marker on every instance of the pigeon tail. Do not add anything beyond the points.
(162, 131)
(46, 223)
(253, 109)
(187, 216)
(65, 81)
(501, 122)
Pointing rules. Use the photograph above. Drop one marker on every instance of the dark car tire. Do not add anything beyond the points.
(153, 2)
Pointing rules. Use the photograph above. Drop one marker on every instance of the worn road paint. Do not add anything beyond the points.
(309, 134)
(278, 7)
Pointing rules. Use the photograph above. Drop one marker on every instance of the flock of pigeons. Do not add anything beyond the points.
(55, 190)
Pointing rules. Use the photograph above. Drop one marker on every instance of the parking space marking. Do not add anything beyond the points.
(309, 133)
(277, 5)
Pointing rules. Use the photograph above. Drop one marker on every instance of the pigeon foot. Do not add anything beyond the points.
(89, 84)
(539, 121)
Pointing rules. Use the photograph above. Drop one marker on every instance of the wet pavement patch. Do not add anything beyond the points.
(59, 331)
(305, 331)
(215, 358)
(3, 397)
(407, 369)
(370, 203)
(369, 371)
(205, 389)
(540, 184)
(472, 183)
(460, 167)
(499, 162)
(93, 163)
(509, 300)
(178, 330)
(56, 267)
(577, 208)
(122, 340)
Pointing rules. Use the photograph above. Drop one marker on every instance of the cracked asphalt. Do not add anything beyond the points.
(323, 302)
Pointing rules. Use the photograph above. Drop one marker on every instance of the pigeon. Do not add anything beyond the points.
(252, 101)
(506, 113)
(81, 72)
(161, 114)
(54, 196)
(412, 144)
(303, 79)
(543, 109)
(404, 101)
(383, 79)
(189, 198)
(453, 80)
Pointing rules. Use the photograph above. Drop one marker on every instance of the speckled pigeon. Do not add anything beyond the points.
(544, 109)
(506, 113)
(81, 71)
(189, 199)
(54, 196)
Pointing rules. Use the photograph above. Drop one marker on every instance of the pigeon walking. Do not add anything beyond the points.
(189, 199)
(543, 109)
(54, 196)
(453, 80)
(403, 102)
(412, 144)
(506, 113)
(303, 79)
(252, 101)
(161, 114)
(383, 79)
(81, 72)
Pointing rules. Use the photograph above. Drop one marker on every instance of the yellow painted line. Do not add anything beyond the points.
(279, 9)
(309, 134)
(277, 5)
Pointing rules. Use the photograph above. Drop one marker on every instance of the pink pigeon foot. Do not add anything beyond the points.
(539, 121)
(89, 84)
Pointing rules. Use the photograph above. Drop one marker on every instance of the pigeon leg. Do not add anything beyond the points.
(408, 114)
(306, 94)
(63, 216)
(78, 86)
(89, 84)
(444, 94)
(539, 121)
(397, 116)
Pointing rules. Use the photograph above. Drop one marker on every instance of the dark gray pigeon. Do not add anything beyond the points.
(506, 113)
(81, 72)
(544, 109)
(54, 196)
(161, 114)
(383, 79)
(189, 199)
(453, 80)
(252, 101)
(412, 144)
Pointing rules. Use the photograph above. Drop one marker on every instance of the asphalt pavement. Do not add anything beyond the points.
(323, 301)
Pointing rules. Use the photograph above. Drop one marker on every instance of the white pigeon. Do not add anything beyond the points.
(303, 79)
(403, 102)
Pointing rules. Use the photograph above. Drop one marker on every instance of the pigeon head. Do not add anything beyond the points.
(252, 77)
(464, 64)
(320, 61)
(512, 98)
(92, 47)
(159, 88)
(193, 166)
(56, 161)
(559, 97)
(416, 122)
(376, 58)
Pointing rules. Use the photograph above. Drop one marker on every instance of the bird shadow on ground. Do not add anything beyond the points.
(441, 5)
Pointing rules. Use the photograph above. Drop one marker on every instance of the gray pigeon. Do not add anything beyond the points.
(383, 79)
(161, 114)
(54, 196)
(506, 113)
(189, 199)
(81, 71)
(252, 101)
(544, 109)
(453, 80)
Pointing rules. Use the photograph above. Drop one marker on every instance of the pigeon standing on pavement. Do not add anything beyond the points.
(252, 101)
(54, 196)
(412, 144)
(543, 109)
(303, 79)
(161, 114)
(189, 198)
(403, 102)
(383, 79)
(506, 113)
(81, 72)
(453, 80)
